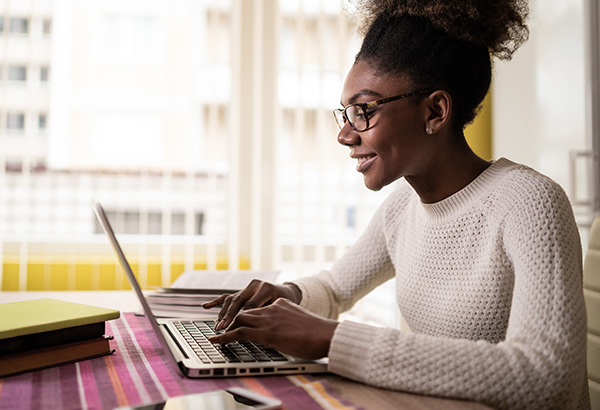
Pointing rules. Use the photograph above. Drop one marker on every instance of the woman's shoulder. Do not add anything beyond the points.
(520, 186)
(512, 176)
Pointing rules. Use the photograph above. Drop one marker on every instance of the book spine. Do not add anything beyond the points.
(51, 338)
(54, 356)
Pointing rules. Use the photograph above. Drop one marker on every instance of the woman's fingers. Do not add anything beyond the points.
(225, 302)
(263, 295)
(241, 328)
(229, 311)
(257, 294)
(215, 302)
(282, 325)
(234, 303)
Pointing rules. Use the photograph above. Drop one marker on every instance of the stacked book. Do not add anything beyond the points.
(184, 303)
(184, 298)
(41, 333)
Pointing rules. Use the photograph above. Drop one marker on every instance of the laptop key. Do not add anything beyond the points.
(262, 357)
(246, 358)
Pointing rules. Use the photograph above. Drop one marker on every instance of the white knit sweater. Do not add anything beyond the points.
(489, 281)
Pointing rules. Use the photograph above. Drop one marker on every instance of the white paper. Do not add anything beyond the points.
(222, 279)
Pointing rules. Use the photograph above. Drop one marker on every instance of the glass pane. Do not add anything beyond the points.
(17, 73)
(46, 26)
(15, 122)
(42, 121)
(44, 74)
(322, 201)
(19, 25)
(139, 101)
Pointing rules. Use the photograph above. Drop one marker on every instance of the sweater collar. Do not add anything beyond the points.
(464, 199)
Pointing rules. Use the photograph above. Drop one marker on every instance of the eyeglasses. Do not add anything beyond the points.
(358, 114)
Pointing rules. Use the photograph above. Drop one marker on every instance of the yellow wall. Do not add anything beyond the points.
(479, 133)
(60, 273)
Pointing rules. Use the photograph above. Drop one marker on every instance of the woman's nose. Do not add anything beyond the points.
(347, 136)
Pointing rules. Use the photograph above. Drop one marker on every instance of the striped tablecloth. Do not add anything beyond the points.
(140, 373)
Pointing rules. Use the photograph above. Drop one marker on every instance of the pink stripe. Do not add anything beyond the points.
(89, 384)
(155, 356)
(123, 371)
(49, 384)
(69, 384)
(17, 392)
(147, 387)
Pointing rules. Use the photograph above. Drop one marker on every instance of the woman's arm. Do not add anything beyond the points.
(363, 267)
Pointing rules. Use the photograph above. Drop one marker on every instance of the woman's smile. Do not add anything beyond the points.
(364, 161)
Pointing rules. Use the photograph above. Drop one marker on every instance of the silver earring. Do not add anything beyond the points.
(429, 131)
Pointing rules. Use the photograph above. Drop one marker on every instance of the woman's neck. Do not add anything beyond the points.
(452, 170)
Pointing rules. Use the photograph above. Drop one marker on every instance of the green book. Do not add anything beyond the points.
(38, 323)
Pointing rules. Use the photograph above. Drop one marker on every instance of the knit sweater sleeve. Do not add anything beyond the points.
(540, 363)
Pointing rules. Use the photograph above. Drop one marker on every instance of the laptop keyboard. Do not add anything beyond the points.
(196, 333)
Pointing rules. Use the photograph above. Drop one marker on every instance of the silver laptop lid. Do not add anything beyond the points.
(102, 218)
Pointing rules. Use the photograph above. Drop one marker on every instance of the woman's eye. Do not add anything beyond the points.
(370, 112)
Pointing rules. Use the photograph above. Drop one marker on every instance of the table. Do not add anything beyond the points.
(353, 394)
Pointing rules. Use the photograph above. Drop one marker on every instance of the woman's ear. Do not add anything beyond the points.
(439, 111)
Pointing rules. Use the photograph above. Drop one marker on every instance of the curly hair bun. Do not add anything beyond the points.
(498, 25)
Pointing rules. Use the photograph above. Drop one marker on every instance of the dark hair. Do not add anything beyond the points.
(443, 44)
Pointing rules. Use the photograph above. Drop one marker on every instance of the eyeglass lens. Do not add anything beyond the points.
(357, 117)
(354, 114)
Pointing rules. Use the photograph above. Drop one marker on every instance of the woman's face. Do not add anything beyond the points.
(395, 145)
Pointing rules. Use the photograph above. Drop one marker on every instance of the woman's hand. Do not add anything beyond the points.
(255, 295)
(284, 326)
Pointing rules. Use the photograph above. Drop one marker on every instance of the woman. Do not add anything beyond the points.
(486, 256)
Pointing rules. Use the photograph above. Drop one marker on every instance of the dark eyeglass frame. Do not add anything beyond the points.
(341, 117)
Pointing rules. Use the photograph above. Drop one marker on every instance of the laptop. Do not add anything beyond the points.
(186, 341)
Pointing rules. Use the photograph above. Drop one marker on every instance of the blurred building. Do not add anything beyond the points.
(209, 140)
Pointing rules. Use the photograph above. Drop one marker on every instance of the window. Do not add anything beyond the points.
(44, 74)
(131, 222)
(38, 165)
(42, 122)
(214, 152)
(46, 26)
(14, 165)
(129, 39)
(154, 223)
(17, 73)
(19, 25)
(15, 122)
